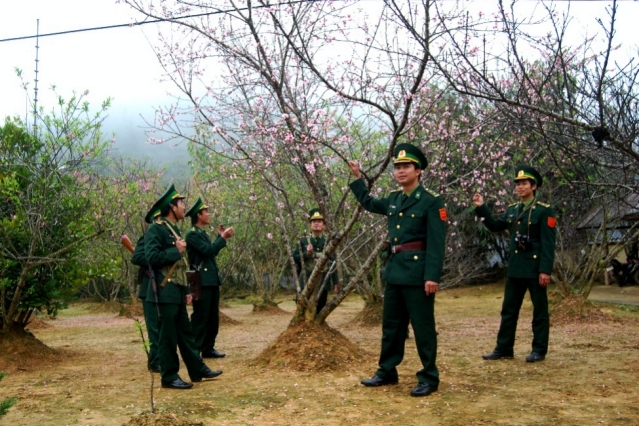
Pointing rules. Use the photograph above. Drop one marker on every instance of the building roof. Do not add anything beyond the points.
(619, 215)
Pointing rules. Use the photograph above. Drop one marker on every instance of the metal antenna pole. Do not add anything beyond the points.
(35, 90)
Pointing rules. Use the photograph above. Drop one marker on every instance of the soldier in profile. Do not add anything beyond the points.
(166, 251)
(202, 252)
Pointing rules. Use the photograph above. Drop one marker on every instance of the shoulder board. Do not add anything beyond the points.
(397, 190)
(431, 192)
(513, 204)
(193, 229)
(158, 222)
(539, 203)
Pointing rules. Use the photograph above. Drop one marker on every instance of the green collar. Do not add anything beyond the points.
(408, 194)
(527, 203)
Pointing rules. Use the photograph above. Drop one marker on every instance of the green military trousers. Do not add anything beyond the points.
(205, 318)
(152, 330)
(176, 332)
(514, 293)
(401, 304)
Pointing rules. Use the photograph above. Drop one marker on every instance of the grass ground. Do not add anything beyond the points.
(97, 374)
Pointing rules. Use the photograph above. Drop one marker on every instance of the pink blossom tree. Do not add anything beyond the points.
(288, 92)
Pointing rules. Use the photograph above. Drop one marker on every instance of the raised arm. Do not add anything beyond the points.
(493, 224)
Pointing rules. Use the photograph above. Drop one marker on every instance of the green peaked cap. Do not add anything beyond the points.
(527, 172)
(407, 153)
(315, 214)
(195, 208)
(169, 195)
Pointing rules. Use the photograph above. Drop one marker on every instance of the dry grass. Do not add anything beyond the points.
(96, 374)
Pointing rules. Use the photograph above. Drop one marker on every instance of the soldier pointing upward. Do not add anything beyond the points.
(417, 233)
(532, 251)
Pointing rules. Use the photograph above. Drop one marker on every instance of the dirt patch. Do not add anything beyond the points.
(36, 323)
(370, 316)
(576, 309)
(587, 378)
(20, 350)
(130, 311)
(310, 347)
(268, 309)
(227, 320)
(161, 419)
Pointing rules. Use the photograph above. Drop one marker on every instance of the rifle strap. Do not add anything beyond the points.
(167, 276)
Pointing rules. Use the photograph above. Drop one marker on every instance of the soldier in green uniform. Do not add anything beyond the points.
(202, 252)
(150, 311)
(312, 248)
(417, 237)
(165, 250)
(531, 224)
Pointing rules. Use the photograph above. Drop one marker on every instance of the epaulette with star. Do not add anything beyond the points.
(539, 203)
(397, 190)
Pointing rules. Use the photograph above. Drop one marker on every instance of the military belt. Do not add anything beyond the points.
(414, 246)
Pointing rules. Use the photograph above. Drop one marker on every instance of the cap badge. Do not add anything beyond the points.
(402, 153)
(316, 214)
(521, 173)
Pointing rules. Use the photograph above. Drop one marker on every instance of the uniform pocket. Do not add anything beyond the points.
(414, 262)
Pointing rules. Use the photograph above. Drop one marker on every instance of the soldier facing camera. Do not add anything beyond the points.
(532, 252)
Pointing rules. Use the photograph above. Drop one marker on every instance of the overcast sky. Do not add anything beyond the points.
(117, 63)
(120, 63)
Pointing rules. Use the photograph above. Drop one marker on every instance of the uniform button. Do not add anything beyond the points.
(534, 207)
(173, 243)
(534, 256)
(518, 222)
(415, 257)
(398, 226)
(401, 214)
(205, 269)
(529, 223)
(516, 252)
(390, 214)
(395, 239)
(169, 279)
(412, 215)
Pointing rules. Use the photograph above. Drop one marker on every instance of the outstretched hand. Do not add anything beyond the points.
(354, 166)
(478, 200)
(225, 233)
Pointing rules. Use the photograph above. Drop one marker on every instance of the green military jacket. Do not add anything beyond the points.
(202, 253)
(161, 254)
(420, 217)
(139, 259)
(538, 223)
(309, 260)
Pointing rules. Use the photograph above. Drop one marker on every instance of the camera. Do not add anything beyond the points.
(523, 242)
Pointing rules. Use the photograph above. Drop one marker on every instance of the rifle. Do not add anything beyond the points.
(127, 244)
(154, 285)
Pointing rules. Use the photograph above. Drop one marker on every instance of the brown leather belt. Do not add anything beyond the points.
(414, 246)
